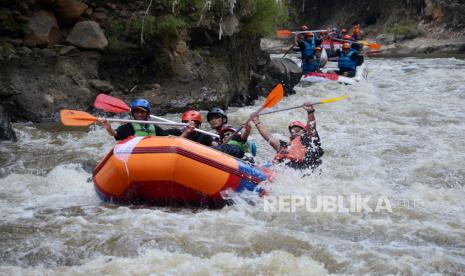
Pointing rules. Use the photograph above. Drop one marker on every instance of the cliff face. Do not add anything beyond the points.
(384, 14)
(182, 54)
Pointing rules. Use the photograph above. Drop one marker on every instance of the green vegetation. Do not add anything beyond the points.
(265, 15)
(13, 26)
(407, 29)
(162, 28)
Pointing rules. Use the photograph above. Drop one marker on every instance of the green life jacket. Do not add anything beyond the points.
(139, 130)
(246, 147)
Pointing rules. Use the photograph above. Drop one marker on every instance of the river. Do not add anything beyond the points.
(399, 137)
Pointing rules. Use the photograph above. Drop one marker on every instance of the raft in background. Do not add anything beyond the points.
(171, 171)
(313, 77)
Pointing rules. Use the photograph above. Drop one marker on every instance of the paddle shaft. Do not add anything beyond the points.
(370, 45)
(288, 108)
(285, 54)
(197, 129)
(312, 31)
(144, 122)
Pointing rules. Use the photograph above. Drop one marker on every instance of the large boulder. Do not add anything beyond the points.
(44, 30)
(88, 35)
(69, 11)
(6, 131)
(286, 71)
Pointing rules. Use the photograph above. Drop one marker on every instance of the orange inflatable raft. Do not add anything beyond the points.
(171, 170)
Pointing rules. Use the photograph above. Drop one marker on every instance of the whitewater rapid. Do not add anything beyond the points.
(399, 135)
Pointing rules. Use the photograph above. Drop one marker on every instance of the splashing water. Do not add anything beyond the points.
(399, 135)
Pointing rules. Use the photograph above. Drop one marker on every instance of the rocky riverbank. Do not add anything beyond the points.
(59, 54)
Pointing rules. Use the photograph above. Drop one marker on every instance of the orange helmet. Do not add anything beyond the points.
(317, 49)
(191, 115)
(310, 34)
(346, 46)
(347, 37)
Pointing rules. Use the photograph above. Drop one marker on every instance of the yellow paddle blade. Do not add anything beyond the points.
(275, 96)
(76, 118)
(283, 33)
(331, 100)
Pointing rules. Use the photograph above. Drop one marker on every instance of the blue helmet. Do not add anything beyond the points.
(143, 103)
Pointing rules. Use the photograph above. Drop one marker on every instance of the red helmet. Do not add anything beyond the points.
(191, 115)
(346, 46)
(317, 49)
(225, 130)
(343, 31)
(297, 124)
(303, 28)
(347, 37)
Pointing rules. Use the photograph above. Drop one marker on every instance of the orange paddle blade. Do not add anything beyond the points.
(76, 118)
(276, 95)
(375, 46)
(283, 33)
(110, 104)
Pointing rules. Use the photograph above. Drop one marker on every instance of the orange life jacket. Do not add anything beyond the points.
(295, 152)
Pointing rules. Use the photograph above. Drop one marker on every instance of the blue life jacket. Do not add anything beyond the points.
(309, 67)
(345, 61)
(308, 50)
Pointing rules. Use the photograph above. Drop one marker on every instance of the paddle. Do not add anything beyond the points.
(329, 100)
(285, 54)
(274, 97)
(288, 33)
(375, 46)
(81, 118)
(115, 105)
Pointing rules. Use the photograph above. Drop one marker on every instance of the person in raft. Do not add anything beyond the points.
(140, 110)
(193, 118)
(303, 150)
(348, 60)
(217, 119)
(237, 146)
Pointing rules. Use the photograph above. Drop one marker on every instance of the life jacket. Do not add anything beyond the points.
(139, 130)
(309, 67)
(295, 152)
(308, 50)
(247, 147)
(346, 62)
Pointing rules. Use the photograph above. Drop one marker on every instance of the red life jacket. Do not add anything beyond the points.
(295, 152)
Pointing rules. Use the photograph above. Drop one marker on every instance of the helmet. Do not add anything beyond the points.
(343, 31)
(317, 49)
(309, 34)
(346, 46)
(347, 37)
(191, 115)
(303, 28)
(217, 112)
(226, 129)
(297, 124)
(141, 103)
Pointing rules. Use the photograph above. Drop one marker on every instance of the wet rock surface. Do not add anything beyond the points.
(6, 130)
